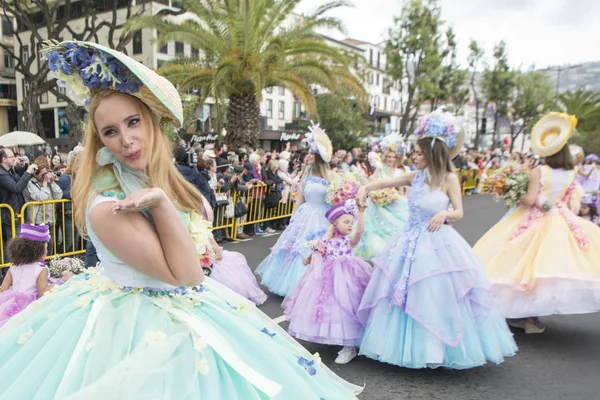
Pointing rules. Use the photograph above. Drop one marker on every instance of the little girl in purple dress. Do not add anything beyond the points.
(27, 278)
(322, 308)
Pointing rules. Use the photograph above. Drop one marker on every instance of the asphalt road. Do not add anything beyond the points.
(561, 363)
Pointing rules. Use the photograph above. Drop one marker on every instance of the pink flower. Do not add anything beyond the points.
(205, 260)
(347, 188)
(321, 247)
(336, 200)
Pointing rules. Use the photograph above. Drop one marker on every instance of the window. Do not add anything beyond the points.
(195, 53)
(178, 48)
(44, 98)
(282, 91)
(385, 103)
(9, 62)
(377, 103)
(62, 90)
(25, 50)
(370, 78)
(281, 110)
(371, 56)
(6, 26)
(164, 49)
(297, 109)
(377, 83)
(269, 90)
(393, 105)
(385, 86)
(378, 59)
(137, 42)
(269, 127)
(269, 108)
(159, 63)
(176, 4)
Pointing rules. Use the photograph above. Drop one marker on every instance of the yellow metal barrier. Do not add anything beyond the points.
(38, 212)
(3, 240)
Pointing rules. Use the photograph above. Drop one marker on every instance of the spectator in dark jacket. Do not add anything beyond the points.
(182, 162)
(204, 183)
(11, 191)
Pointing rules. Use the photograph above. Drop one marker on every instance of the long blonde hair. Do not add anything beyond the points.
(161, 170)
(319, 168)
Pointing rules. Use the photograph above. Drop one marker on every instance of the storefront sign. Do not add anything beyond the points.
(203, 138)
(290, 137)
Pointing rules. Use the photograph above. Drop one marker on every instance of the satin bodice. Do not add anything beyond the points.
(424, 202)
(315, 190)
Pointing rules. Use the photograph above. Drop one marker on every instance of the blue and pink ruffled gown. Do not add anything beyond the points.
(284, 266)
(22, 292)
(115, 333)
(322, 308)
(429, 303)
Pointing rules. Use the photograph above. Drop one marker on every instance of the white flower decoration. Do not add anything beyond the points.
(202, 366)
(83, 301)
(25, 336)
(200, 344)
(155, 339)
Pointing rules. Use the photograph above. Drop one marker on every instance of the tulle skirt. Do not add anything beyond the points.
(429, 304)
(284, 267)
(12, 303)
(546, 269)
(381, 225)
(233, 271)
(322, 308)
(91, 339)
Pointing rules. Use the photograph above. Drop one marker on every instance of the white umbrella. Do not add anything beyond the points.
(20, 138)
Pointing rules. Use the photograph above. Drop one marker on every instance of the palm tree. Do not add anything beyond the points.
(244, 50)
(586, 107)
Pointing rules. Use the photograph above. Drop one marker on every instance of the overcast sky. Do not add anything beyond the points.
(540, 32)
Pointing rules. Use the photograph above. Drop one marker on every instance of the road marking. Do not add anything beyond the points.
(279, 320)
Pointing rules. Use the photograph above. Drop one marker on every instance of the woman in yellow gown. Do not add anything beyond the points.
(542, 259)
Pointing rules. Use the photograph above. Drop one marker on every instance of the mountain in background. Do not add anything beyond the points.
(586, 76)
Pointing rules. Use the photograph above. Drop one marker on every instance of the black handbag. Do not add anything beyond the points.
(273, 198)
(240, 209)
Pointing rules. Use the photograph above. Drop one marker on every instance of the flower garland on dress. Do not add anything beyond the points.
(200, 230)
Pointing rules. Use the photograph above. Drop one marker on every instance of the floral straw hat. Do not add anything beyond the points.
(84, 67)
(319, 142)
(443, 126)
(551, 133)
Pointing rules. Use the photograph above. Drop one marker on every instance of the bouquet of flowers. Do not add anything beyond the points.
(59, 266)
(508, 182)
(383, 197)
(200, 229)
(314, 242)
(344, 187)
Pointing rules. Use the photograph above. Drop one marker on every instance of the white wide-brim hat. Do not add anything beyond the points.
(324, 145)
(66, 60)
(551, 133)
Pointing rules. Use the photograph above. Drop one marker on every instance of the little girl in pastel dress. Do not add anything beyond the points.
(27, 278)
(322, 308)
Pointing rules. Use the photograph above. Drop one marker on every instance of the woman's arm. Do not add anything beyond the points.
(529, 198)
(166, 253)
(399, 181)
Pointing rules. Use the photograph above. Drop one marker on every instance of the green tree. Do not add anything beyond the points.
(343, 121)
(244, 50)
(452, 85)
(498, 86)
(414, 57)
(475, 55)
(533, 93)
(586, 107)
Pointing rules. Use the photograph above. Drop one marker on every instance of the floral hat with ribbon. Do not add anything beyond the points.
(443, 126)
(393, 143)
(319, 142)
(348, 207)
(588, 199)
(551, 133)
(84, 67)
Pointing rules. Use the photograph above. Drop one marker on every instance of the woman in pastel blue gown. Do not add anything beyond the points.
(383, 222)
(146, 324)
(429, 303)
(284, 266)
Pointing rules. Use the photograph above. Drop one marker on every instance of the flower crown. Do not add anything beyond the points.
(81, 69)
(393, 143)
(439, 125)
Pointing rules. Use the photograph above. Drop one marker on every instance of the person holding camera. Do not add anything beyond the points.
(43, 187)
(12, 186)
